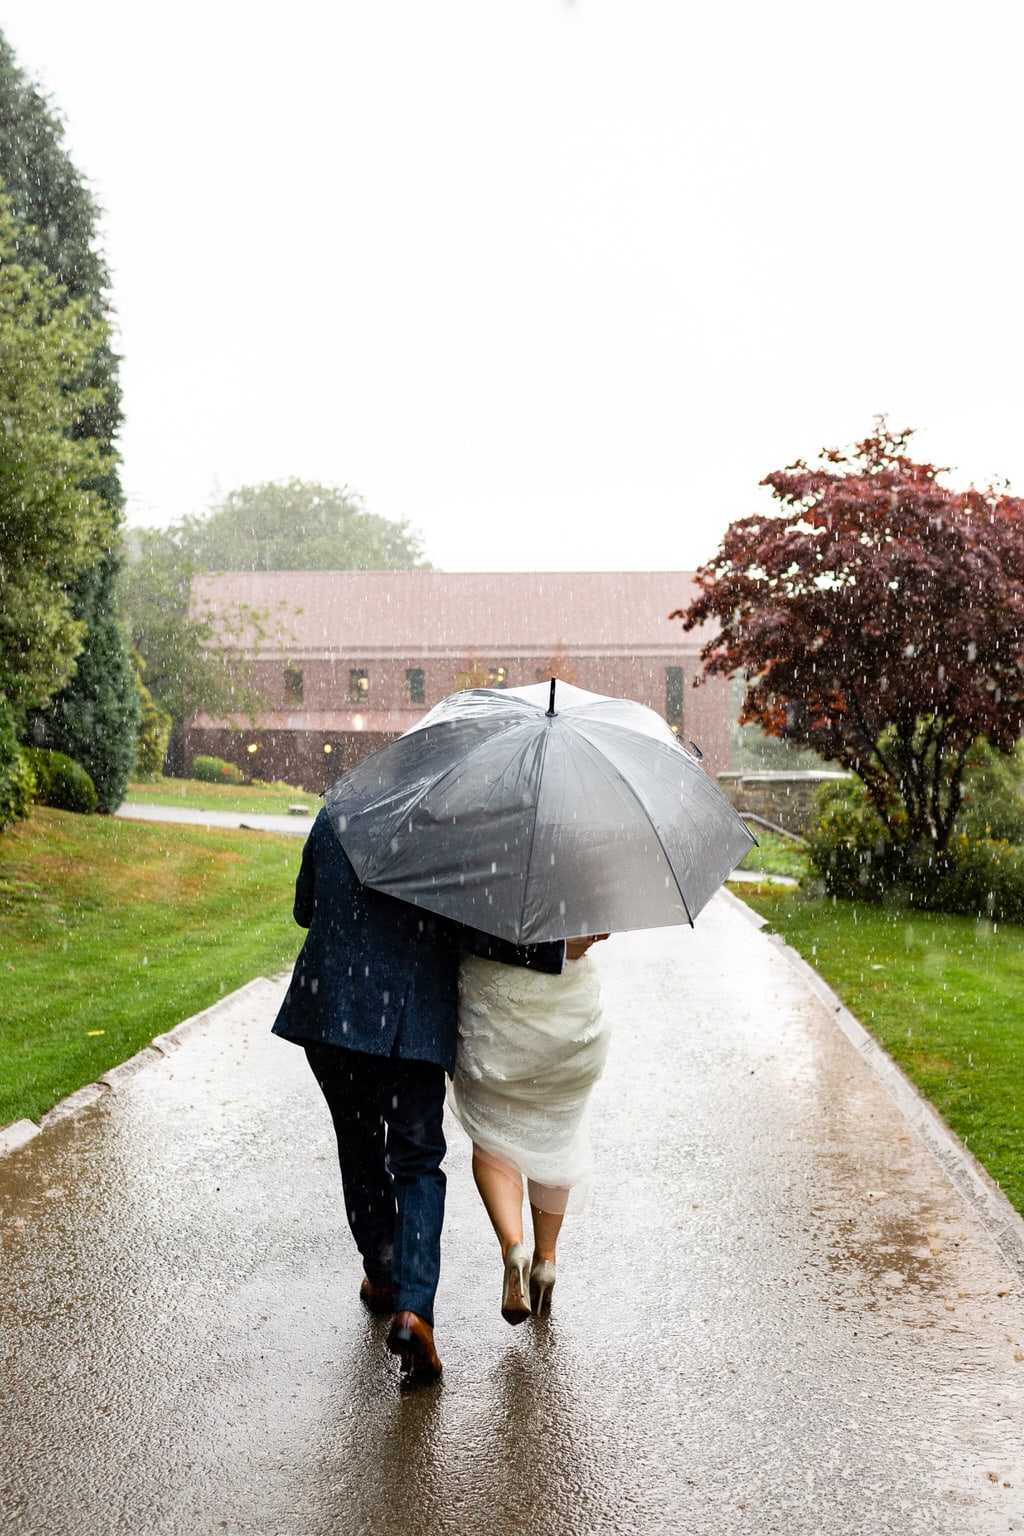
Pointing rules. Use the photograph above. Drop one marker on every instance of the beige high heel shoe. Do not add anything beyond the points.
(515, 1285)
(542, 1283)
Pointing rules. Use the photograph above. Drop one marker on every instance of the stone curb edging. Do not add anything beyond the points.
(1003, 1223)
(20, 1132)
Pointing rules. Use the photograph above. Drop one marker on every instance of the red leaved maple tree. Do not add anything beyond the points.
(878, 618)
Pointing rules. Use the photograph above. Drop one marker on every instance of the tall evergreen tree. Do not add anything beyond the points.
(51, 523)
(94, 719)
(92, 711)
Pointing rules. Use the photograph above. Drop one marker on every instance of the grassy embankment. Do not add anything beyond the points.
(775, 855)
(113, 931)
(942, 994)
(258, 799)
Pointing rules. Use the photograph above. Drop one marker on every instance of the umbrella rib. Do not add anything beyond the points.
(620, 775)
(533, 836)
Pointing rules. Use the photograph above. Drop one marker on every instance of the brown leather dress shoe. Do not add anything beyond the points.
(413, 1341)
(379, 1299)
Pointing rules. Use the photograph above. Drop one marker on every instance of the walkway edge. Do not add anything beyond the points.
(1003, 1223)
(20, 1132)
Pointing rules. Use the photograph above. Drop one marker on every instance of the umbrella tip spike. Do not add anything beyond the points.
(551, 699)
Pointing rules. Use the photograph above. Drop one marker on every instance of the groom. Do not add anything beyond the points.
(374, 1002)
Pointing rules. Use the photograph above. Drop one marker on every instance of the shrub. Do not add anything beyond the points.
(153, 735)
(852, 852)
(61, 783)
(17, 782)
(994, 795)
(214, 770)
(71, 788)
(980, 876)
(848, 843)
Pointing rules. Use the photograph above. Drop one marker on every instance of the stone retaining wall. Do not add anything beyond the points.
(783, 798)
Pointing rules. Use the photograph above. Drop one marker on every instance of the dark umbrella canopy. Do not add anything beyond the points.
(531, 824)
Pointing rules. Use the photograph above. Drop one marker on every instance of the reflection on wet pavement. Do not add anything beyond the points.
(776, 1313)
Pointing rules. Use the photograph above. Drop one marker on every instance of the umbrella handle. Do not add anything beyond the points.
(551, 700)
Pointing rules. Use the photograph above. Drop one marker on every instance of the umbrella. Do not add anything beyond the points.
(540, 812)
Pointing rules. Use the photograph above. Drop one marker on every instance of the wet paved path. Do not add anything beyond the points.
(776, 1314)
(295, 826)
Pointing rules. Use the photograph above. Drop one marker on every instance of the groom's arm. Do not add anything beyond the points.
(549, 957)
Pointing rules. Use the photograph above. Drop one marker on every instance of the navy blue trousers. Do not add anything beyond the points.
(388, 1116)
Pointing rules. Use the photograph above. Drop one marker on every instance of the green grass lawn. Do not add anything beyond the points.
(113, 931)
(258, 799)
(775, 855)
(943, 994)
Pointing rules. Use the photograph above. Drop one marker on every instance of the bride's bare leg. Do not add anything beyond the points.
(547, 1224)
(546, 1227)
(501, 1191)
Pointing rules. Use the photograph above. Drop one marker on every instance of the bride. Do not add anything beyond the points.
(531, 1048)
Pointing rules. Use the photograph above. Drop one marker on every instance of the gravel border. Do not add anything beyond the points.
(1003, 1223)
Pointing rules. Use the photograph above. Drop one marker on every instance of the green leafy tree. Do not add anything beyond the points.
(289, 525)
(186, 669)
(51, 520)
(94, 715)
(40, 179)
(878, 618)
(17, 781)
(298, 525)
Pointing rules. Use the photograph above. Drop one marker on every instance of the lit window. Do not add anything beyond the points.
(497, 677)
(292, 684)
(674, 698)
(358, 685)
(414, 685)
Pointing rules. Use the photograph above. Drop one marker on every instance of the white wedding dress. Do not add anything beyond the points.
(531, 1048)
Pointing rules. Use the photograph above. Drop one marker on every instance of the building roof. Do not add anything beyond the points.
(419, 613)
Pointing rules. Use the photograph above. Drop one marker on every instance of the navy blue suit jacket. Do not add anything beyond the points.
(377, 974)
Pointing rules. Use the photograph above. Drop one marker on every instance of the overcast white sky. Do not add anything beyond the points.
(557, 281)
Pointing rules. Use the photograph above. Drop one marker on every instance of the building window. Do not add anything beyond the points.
(674, 698)
(414, 692)
(358, 685)
(292, 684)
(497, 677)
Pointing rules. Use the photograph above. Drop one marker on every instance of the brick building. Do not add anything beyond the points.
(346, 660)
